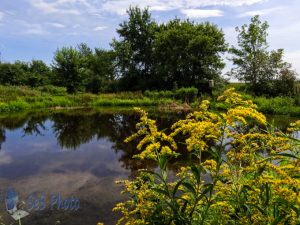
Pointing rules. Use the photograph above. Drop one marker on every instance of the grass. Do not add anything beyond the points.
(278, 106)
(271, 106)
(19, 98)
(14, 99)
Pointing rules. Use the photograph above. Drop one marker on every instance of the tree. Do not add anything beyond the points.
(134, 50)
(102, 67)
(188, 53)
(13, 73)
(69, 68)
(38, 74)
(152, 56)
(255, 65)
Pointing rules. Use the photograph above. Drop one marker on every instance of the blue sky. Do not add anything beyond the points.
(34, 29)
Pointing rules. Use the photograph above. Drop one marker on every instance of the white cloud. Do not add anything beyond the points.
(293, 58)
(100, 28)
(76, 26)
(56, 25)
(120, 6)
(232, 3)
(202, 13)
(1, 16)
(35, 29)
(59, 6)
(261, 12)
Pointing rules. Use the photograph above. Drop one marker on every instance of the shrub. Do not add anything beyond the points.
(159, 94)
(277, 105)
(53, 90)
(186, 94)
(250, 174)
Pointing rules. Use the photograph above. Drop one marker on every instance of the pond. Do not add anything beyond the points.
(71, 154)
(77, 153)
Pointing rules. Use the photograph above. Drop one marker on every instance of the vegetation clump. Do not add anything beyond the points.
(249, 175)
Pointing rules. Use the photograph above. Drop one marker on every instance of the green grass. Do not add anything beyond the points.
(281, 105)
(278, 106)
(14, 99)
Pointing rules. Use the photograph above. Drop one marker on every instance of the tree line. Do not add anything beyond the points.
(152, 56)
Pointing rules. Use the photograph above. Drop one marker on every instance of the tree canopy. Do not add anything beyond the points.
(150, 55)
(264, 70)
(188, 53)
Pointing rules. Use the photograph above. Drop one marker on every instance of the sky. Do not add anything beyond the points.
(35, 29)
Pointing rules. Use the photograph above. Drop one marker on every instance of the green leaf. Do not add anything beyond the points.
(196, 172)
(163, 162)
(183, 208)
(288, 155)
(158, 176)
(161, 191)
(268, 193)
(257, 207)
(176, 187)
(190, 188)
(207, 188)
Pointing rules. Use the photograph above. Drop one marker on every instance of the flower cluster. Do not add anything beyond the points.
(249, 174)
(157, 142)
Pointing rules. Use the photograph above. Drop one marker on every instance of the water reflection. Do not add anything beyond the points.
(78, 152)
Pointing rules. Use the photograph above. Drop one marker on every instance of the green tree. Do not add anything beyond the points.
(13, 73)
(134, 50)
(97, 68)
(103, 76)
(68, 65)
(152, 56)
(38, 74)
(254, 64)
(188, 53)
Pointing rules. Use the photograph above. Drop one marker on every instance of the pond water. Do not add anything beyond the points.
(75, 154)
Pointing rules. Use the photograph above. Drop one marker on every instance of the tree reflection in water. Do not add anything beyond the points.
(72, 128)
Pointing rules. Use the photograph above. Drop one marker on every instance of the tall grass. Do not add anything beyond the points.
(18, 98)
(15, 98)
(272, 106)
(278, 105)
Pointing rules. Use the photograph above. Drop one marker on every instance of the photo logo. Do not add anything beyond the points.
(11, 200)
(38, 201)
(11, 204)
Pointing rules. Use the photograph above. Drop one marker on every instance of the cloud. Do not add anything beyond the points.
(35, 29)
(5, 158)
(201, 13)
(120, 6)
(59, 6)
(260, 12)
(232, 3)
(100, 28)
(56, 25)
(293, 57)
(1, 16)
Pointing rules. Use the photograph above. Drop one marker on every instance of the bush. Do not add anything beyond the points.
(52, 90)
(250, 173)
(186, 94)
(159, 94)
(277, 105)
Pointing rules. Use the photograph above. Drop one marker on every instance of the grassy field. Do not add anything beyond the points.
(15, 98)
